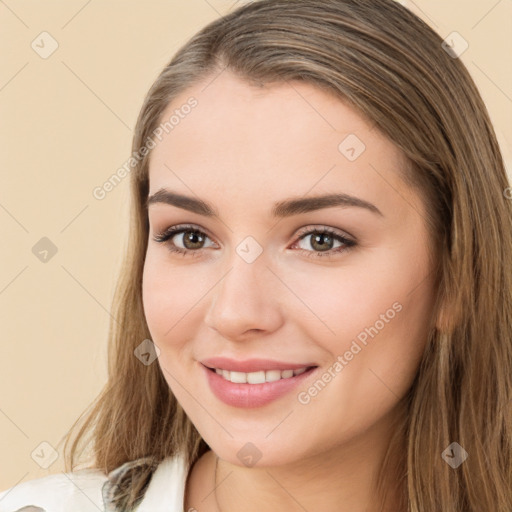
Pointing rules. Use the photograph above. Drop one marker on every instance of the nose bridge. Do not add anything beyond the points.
(241, 300)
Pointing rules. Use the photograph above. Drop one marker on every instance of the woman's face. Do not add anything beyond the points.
(261, 281)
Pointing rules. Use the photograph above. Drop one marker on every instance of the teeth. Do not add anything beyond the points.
(258, 377)
(272, 375)
(238, 377)
(252, 377)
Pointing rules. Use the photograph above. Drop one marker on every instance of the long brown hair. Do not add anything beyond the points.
(389, 65)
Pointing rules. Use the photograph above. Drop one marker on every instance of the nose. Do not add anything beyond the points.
(245, 301)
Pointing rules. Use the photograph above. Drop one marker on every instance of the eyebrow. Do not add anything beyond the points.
(285, 208)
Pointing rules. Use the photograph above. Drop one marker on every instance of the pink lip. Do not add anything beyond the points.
(252, 395)
(251, 365)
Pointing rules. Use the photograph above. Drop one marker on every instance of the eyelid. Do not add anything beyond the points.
(329, 229)
(180, 228)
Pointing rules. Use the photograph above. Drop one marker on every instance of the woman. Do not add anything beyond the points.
(315, 311)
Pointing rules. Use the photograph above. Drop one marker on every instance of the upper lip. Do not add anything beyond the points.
(251, 365)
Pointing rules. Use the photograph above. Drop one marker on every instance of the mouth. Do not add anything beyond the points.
(260, 376)
(255, 388)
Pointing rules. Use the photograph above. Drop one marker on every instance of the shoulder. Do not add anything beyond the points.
(89, 490)
(80, 491)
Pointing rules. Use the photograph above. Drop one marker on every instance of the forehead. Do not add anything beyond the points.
(272, 142)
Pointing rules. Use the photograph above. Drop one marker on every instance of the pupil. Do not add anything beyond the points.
(321, 239)
(193, 237)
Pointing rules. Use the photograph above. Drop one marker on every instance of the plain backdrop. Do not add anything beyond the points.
(66, 122)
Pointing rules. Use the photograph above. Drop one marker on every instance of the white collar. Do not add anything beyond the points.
(166, 490)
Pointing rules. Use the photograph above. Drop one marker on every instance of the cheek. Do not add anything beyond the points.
(168, 296)
(338, 303)
(378, 309)
(375, 319)
(155, 297)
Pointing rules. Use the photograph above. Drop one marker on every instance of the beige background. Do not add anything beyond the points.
(66, 125)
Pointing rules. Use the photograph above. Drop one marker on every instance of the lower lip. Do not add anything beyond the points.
(252, 395)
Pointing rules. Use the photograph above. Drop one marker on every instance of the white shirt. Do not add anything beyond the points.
(81, 491)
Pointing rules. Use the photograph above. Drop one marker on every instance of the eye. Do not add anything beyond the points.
(190, 240)
(322, 241)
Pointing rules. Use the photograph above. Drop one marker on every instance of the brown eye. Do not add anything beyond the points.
(323, 241)
(192, 239)
(183, 239)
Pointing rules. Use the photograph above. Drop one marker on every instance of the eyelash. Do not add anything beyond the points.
(166, 235)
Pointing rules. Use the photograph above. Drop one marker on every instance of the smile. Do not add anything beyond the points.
(256, 388)
(258, 377)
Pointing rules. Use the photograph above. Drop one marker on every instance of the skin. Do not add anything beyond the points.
(241, 149)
